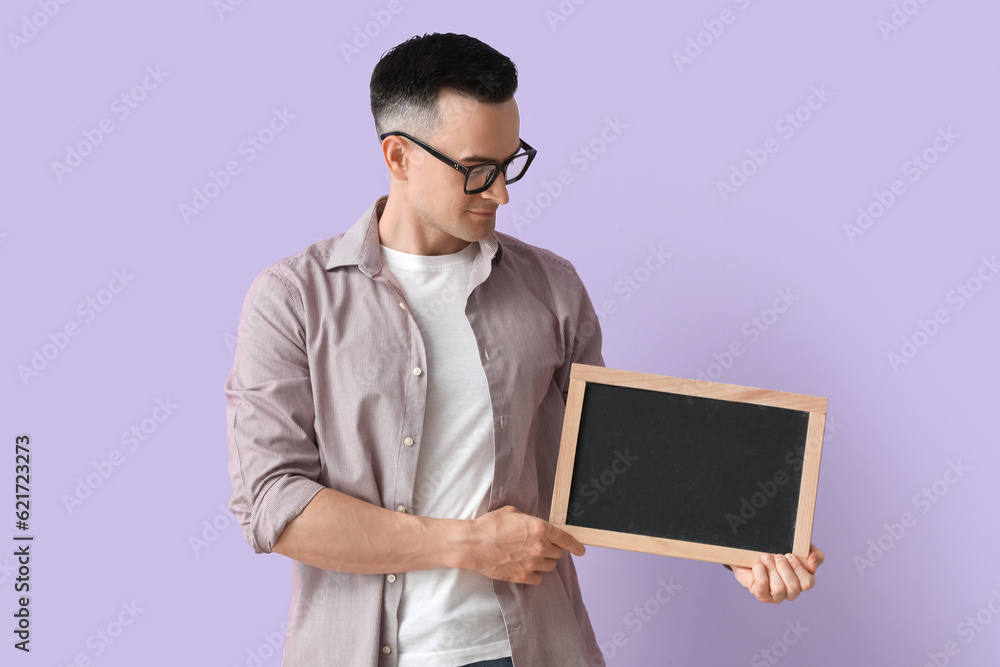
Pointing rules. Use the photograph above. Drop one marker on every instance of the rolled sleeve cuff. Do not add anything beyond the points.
(275, 508)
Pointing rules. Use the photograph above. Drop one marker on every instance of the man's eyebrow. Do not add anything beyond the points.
(483, 158)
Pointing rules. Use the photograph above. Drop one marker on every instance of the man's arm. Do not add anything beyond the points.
(338, 532)
(582, 330)
(274, 465)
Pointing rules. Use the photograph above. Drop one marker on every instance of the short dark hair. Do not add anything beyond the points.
(407, 79)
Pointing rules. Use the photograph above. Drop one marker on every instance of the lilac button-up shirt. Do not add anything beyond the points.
(328, 389)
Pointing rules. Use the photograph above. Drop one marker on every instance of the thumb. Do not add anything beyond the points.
(744, 575)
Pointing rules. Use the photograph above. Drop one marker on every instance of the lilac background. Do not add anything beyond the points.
(169, 333)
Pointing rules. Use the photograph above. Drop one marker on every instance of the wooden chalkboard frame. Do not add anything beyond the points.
(581, 375)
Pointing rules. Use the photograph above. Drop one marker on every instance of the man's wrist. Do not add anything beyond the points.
(462, 537)
(450, 541)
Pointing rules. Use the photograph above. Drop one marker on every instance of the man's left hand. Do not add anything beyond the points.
(774, 578)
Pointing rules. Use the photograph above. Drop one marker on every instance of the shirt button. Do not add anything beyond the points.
(417, 371)
(401, 508)
(391, 578)
(386, 650)
(402, 305)
(408, 441)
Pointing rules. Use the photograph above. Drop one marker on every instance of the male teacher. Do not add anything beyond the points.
(396, 402)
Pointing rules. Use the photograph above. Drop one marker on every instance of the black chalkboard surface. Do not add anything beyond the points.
(688, 468)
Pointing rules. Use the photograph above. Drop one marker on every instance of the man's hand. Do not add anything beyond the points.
(509, 545)
(774, 578)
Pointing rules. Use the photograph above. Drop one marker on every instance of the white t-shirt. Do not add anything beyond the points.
(448, 616)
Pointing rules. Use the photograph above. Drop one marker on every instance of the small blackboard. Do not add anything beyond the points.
(687, 468)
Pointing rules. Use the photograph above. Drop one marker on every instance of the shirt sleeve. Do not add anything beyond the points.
(274, 461)
(583, 336)
(588, 340)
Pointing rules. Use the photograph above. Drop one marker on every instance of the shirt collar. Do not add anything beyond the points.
(360, 244)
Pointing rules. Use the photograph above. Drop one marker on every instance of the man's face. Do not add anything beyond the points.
(470, 132)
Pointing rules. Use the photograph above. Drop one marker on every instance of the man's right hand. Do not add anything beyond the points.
(509, 545)
(344, 534)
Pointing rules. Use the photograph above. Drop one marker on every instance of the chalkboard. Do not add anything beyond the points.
(688, 468)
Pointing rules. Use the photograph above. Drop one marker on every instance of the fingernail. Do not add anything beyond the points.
(790, 558)
(765, 559)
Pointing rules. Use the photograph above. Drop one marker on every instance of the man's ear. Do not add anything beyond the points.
(397, 157)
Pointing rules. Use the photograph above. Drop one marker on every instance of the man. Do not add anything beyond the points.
(397, 396)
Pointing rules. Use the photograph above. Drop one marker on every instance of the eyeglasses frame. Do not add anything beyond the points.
(499, 167)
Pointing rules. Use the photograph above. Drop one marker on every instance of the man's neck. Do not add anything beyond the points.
(401, 230)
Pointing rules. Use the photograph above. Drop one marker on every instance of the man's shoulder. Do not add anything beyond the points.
(526, 256)
(309, 263)
(290, 279)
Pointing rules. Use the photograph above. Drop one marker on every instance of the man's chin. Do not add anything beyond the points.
(483, 225)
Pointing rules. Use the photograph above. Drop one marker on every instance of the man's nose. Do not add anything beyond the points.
(498, 191)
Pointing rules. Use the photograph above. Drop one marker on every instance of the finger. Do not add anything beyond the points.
(815, 558)
(532, 578)
(788, 576)
(760, 587)
(563, 539)
(805, 577)
(552, 551)
(777, 585)
(546, 565)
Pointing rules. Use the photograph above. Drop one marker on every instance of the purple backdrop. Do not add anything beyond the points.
(805, 183)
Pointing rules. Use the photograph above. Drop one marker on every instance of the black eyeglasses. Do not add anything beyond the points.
(479, 177)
